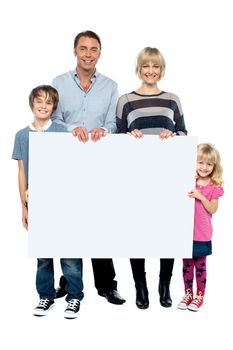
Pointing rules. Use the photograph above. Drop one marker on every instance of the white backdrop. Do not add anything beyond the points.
(36, 45)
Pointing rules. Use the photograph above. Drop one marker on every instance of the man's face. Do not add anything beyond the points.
(87, 52)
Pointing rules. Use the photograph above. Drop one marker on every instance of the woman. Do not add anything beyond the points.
(149, 110)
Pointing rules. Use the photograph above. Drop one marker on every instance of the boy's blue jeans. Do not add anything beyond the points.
(72, 271)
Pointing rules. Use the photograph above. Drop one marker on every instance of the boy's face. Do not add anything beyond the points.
(42, 107)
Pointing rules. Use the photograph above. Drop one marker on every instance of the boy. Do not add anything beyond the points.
(43, 101)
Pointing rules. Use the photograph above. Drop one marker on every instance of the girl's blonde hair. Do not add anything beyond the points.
(208, 152)
(150, 54)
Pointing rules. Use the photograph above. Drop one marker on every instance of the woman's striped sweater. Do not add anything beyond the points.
(150, 113)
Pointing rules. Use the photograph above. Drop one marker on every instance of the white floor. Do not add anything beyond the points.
(101, 325)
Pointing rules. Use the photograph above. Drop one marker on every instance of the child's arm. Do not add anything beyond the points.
(211, 206)
(22, 191)
(25, 217)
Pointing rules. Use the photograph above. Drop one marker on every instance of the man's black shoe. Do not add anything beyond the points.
(61, 291)
(112, 297)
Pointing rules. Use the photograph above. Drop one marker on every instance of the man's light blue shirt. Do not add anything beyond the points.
(94, 108)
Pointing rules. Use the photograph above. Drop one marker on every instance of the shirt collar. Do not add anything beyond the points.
(45, 127)
(94, 76)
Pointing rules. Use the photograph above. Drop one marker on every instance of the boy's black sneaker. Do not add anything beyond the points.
(72, 309)
(43, 307)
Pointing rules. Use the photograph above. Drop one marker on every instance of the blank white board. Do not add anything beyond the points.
(118, 197)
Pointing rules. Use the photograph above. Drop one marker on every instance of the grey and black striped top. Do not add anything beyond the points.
(150, 113)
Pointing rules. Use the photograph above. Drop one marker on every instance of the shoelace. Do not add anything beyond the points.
(187, 296)
(73, 304)
(197, 299)
(43, 303)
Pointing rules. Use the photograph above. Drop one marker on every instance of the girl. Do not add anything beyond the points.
(208, 190)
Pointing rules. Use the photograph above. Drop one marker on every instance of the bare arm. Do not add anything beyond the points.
(23, 193)
(211, 206)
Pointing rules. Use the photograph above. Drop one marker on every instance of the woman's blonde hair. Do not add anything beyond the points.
(206, 151)
(150, 54)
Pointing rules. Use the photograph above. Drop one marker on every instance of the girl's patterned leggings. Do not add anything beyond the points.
(199, 263)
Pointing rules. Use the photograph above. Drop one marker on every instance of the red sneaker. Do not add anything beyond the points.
(197, 301)
(187, 299)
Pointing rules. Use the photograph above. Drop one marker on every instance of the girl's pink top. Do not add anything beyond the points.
(202, 218)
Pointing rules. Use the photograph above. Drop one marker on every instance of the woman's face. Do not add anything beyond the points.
(150, 73)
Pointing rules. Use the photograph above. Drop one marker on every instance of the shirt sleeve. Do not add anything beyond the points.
(57, 115)
(180, 128)
(217, 192)
(121, 116)
(110, 120)
(17, 153)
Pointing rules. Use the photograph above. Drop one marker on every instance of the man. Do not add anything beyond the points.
(88, 105)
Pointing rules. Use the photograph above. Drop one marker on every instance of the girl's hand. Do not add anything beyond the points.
(194, 193)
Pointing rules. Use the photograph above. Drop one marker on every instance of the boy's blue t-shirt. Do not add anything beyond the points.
(21, 145)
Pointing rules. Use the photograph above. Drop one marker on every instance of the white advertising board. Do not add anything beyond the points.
(118, 197)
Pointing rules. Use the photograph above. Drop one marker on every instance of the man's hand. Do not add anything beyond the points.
(81, 133)
(83, 136)
(97, 133)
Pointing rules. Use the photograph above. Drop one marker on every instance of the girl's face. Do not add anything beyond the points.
(150, 73)
(204, 167)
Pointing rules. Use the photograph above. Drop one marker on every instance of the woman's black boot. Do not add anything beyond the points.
(164, 293)
(142, 300)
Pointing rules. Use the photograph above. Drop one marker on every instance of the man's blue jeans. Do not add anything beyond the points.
(72, 271)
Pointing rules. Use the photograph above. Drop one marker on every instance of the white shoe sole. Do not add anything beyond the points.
(193, 308)
(182, 307)
(70, 315)
(42, 312)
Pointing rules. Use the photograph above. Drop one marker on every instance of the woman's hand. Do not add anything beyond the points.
(165, 134)
(136, 133)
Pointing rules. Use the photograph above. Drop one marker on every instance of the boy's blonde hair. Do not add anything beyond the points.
(206, 151)
(150, 54)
